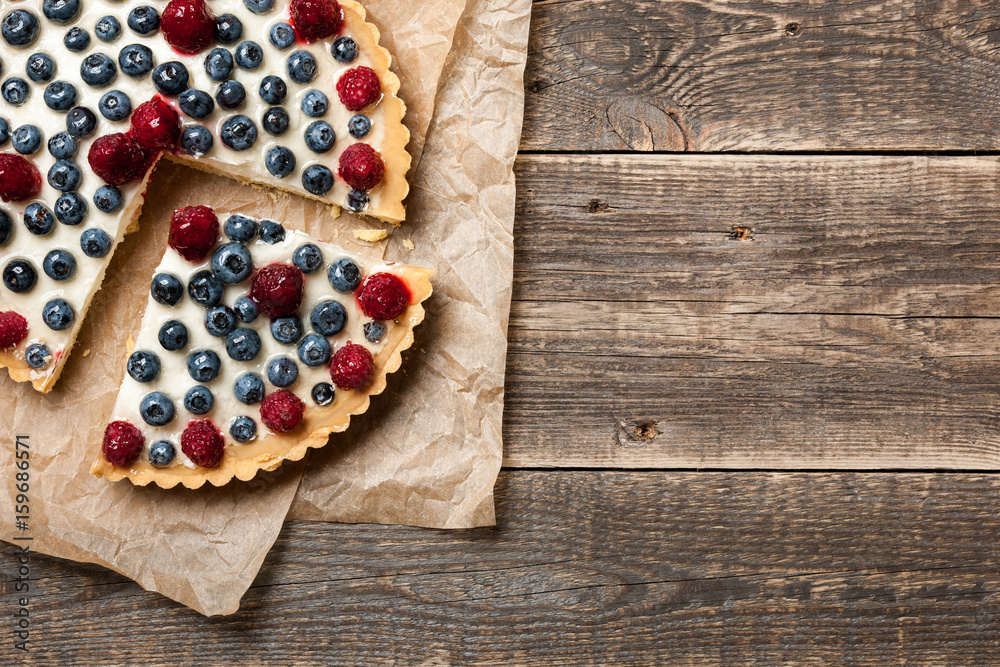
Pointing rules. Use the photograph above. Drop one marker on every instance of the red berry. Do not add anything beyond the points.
(193, 232)
(316, 19)
(351, 366)
(282, 411)
(117, 159)
(383, 296)
(187, 25)
(202, 443)
(19, 179)
(277, 289)
(122, 443)
(156, 125)
(13, 329)
(361, 166)
(358, 87)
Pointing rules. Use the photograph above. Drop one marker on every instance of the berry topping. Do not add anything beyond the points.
(122, 443)
(161, 453)
(193, 232)
(316, 19)
(358, 87)
(13, 329)
(187, 25)
(117, 159)
(277, 290)
(383, 296)
(351, 366)
(202, 443)
(19, 179)
(361, 166)
(282, 411)
(156, 125)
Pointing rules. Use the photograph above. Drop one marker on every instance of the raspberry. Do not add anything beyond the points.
(351, 366)
(193, 232)
(187, 25)
(358, 87)
(383, 296)
(361, 166)
(315, 19)
(13, 329)
(282, 411)
(155, 125)
(277, 290)
(117, 159)
(122, 443)
(202, 443)
(19, 179)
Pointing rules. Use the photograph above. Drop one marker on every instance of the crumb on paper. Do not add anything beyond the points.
(408, 244)
(129, 345)
(371, 235)
(86, 353)
(336, 233)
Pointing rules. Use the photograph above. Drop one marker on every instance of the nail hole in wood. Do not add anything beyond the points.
(742, 233)
(597, 206)
(793, 29)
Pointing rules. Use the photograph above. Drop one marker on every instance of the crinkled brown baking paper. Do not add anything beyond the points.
(428, 450)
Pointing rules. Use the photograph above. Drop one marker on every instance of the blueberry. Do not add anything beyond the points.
(62, 146)
(156, 409)
(40, 67)
(37, 355)
(64, 176)
(59, 265)
(107, 29)
(143, 366)
(276, 121)
(19, 28)
(228, 29)
(115, 106)
(60, 96)
(38, 219)
(301, 67)
(136, 60)
(231, 263)
(344, 275)
(167, 289)
(328, 318)
(108, 199)
(4, 131)
(282, 372)
(317, 179)
(308, 257)
(81, 122)
(241, 228)
(71, 209)
(58, 314)
(95, 242)
(219, 64)
(76, 40)
(197, 140)
(98, 70)
(320, 136)
(243, 344)
(280, 161)
(196, 103)
(19, 276)
(271, 232)
(322, 393)
(287, 330)
(26, 139)
(249, 55)
(170, 78)
(359, 126)
(238, 133)
(220, 320)
(259, 6)
(273, 89)
(231, 94)
(243, 429)
(314, 350)
(6, 228)
(344, 49)
(61, 11)
(173, 336)
(246, 309)
(205, 289)
(144, 20)
(15, 91)
(203, 365)
(161, 453)
(357, 200)
(315, 104)
(199, 400)
(281, 35)
(249, 388)
(374, 331)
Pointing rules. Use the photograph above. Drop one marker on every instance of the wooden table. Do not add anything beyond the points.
(752, 395)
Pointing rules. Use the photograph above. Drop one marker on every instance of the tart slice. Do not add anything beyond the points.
(254, 346)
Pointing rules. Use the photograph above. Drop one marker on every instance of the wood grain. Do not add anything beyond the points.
(762, 75)
(755, 312)
(592, 568)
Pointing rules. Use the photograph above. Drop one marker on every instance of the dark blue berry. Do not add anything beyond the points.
(219, 64)
(162, 453)
(359, 126)
(76, 40)
(108, 199)
(143, 366)
(37, 355)
(273, 89)
(199, 400)
(219, 321)
(6, 228)
(231, 94)
(374, 331)
(246, 309)
(61, 11)
(26, 139)
(64, 176)
(173, 336)
(243, 344)
(301, 67)
(243, 429)
(107, 29)
(344, 275)
(241, 228)
(205, 289)
(38, 219)
(59, 265)
(280, 161)
(322, 393)
(259, 6)
(136, 60)
(144, 20)
(196, 103)
(328, 318)
(276, 121)
(98, 70)
(19, 28)
(60, 96)
(156, 409)
(357, 200)
(344, 49)
(203, 365)
(320, 136)
(58, 314)
(249, 55)
(287, 330)
(281, 35)
(170, 78)
(81, 122)
(239, 133)
(282, 372)
(19, 276)
(71, 209)
(228, 29)
(231, 263)
(95, 242)
(314, 350)
(115, 106)
(62, 146)
(317, 179)
(40, 67)
(167, 289)
(197, 140)
(15, 91)
(308, 257)
(315, 104)
(249, 389)
(271, 232)
(4, 131)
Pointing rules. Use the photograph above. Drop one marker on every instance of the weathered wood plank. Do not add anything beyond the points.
(762, 75)
(853, 325)
(591, 568)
